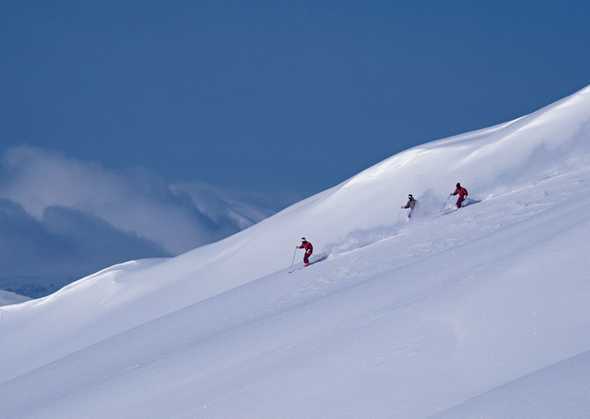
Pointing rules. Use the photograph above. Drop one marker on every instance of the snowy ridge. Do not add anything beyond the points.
(7, 297)
(478, 297)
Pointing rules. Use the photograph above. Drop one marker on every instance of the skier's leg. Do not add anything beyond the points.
(460, 201)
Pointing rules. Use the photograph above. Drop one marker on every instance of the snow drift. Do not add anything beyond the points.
(479, 298)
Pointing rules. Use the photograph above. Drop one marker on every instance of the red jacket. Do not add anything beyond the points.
(461, 191)
(307, 246)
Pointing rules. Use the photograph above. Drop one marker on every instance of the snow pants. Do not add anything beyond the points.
(306, 257)
(460, 201)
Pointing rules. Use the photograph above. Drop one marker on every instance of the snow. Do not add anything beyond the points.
(46, 203)
(535, 395)
(477, 313)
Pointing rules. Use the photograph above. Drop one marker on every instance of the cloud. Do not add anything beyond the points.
(61, 218)
(178, 218)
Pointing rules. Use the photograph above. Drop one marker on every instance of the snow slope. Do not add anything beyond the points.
(558, 391)
(493, 295)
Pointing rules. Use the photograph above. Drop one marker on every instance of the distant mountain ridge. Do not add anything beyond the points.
(7, 298)
(62, 219)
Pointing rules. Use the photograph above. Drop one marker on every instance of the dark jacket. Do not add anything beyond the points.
(411, 203)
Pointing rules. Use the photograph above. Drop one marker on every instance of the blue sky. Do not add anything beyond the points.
(276, 96)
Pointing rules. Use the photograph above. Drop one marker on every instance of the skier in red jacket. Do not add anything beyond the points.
(308, 250)
(462, 192)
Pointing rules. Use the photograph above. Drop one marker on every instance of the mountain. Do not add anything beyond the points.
(62, 218)
(480, 312)
(7, 298)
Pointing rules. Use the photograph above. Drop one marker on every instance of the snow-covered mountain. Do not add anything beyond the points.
(62, 218)
(7, 298)
(482, 312)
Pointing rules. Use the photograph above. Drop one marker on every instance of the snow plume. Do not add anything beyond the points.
(428, 205)
(74, 217)
(361, 238)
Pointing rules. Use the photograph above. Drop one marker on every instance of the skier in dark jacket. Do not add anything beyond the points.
(308, 250)
(461, 192)
(411, 204)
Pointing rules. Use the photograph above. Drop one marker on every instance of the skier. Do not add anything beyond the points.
(410, 205)
(462, 192)
(308, 250)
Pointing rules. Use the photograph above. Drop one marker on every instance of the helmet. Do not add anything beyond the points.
(458, 185)
(410, 196)
(304, 239)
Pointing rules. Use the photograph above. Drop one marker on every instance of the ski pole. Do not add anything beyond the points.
(293, 260)
(446, 202)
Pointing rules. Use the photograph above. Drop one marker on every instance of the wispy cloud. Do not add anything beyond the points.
(61, 217)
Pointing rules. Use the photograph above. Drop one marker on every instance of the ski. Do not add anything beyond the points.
(314, 260)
